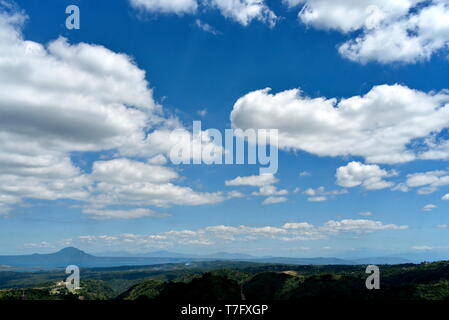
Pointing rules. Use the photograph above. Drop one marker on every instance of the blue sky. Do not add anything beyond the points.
(381, 197)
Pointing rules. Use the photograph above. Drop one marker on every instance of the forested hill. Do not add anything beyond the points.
(209, 281)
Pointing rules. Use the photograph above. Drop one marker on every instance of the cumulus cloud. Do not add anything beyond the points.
(245, 11)
(381, 126)
(241, 11)
(62, 98)
(445, 197)
(266, 188)
(177, 143)
(125, 171)
(427, 182)
(350, 15)
(427, 178)
(386, 31)
(409, 39)
(370, 177)
(54, 100)
(289, 232)
(158, 160)
(123, 181)
(72, 97)
(270, 190)
(321, 194)
(166, 6)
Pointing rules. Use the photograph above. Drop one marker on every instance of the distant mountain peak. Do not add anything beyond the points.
(72, 251)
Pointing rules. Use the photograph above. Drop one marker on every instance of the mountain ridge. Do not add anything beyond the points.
(72, 255)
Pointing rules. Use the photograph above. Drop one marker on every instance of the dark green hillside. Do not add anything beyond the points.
(209, 287)
(235, 281)
(271, 286)
(275, 282)
(90, 290)
(148, 289)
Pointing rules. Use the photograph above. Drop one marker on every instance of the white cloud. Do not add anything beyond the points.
(359, 226)
(59, 99)
(379, 126)
(445, 197)
(64, 98)
(387, 31)
(305, 174)
(322, 191)
(289, 232)
(297, 225)
(442, 226)
(245, 11)
(166, 6)
(270, 190)
(425, 178)
(438, 149)
(429, 207)
(73, 98)
(292, 3)
(125, 171)
(121, 214)
(177, 143)
(254, 181)
(123, 181)
(426, 190)
(235, 194)
(427, 182)
(321, 194)
(412, 38)
(370, 177)
(350, 15)
(241, 11)
(317, 199)
(313, 192)
(202, 113)
(273, 200)
(266, 188)
(158, 160)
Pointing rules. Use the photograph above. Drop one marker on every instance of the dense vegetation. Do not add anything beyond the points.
(233, 281)
(90, 290)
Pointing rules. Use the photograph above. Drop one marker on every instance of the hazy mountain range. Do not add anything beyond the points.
(68, 256)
